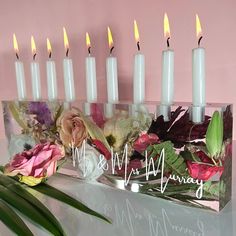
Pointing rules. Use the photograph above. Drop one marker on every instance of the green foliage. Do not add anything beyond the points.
(214, 135)
(13, 221)
(174, 163)
(18, 196)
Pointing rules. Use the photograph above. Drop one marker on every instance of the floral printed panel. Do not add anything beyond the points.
(134, 147)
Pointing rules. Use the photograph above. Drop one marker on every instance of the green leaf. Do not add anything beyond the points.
(17, 116)
(27, 209)
(189, 156)
(94, 131)
(2, 169)
(173, 162)
(17, 188)
(13, 221)
(57, 194)
(214, 135)
(211, 188)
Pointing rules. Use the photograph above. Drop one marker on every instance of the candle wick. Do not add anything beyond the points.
(67, 52)
(111, 50)
(199, 41)
(34, 56)
(168, 42)
(17, 56)
(50, 55)
(138, 46)
(89, 50)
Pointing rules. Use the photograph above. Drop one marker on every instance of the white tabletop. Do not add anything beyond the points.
(132, 214)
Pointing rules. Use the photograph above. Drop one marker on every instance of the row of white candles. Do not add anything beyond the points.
(167, 91)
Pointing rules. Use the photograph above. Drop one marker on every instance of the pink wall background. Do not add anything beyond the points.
(46, 19)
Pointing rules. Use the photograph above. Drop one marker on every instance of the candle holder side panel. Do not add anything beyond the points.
(146, 148)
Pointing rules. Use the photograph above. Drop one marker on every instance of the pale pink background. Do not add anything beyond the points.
(46, 19)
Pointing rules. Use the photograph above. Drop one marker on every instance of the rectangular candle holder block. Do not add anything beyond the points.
(179, 153)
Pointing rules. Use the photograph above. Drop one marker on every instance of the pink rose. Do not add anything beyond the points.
(72, 130)
(144, 140)
(203, 171)
(38, 162)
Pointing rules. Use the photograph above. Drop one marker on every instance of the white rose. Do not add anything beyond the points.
(87, 162)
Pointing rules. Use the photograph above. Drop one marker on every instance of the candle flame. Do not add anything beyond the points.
(33, 46)
(136, 32)
(198, 27)
(66, 42)
(15, 44)
(88, 42)
(110, 39)
(49, 47)
(166, 26)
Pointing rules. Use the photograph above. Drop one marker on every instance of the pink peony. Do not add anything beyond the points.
(144, 140)
(203, 171)
(38, 162)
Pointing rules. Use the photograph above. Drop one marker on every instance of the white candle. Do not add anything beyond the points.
(20, 74)
(68, 72)
(198, 78)
(111, 69)
(167, 84)
(51, 75)
(35, 74)
(139, 72)
(91, 82)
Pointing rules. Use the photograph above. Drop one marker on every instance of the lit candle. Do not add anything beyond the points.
(91, 82)
(111, 68)
(167, 91)
(51, 74)
(68, 72)
(167, 85)
(20, 74)
(35, 73)
(198, 77)
(139, 71)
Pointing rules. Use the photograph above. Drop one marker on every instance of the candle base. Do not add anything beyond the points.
(147, 140)
(165, 111)
(197, 114)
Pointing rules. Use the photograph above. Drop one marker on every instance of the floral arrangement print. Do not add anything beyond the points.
(197, 151)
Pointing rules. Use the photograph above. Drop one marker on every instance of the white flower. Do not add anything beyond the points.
(87, 162)
(117, 129)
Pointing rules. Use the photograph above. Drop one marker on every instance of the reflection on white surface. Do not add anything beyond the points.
(132, 214)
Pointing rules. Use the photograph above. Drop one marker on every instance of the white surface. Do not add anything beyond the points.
(36, 83)
(139, 79)
(132, 214)
(20, 80)
(167, 84)
(51, 80)
(198, 83)
(91, 80)
(112, 80)
(69, 79)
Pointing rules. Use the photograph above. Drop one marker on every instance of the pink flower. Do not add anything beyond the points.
(144, 140)
(71, 129)
(38, 162)
(203, 171)
(97, 114)
(102, 148)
